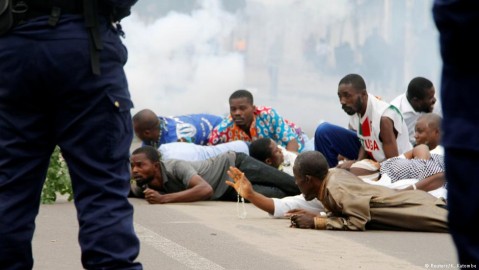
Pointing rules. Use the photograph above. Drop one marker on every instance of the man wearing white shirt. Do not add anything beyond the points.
(376, 129)
(418, 99)
(266, 150)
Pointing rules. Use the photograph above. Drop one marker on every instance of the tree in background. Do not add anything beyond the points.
(58, 179)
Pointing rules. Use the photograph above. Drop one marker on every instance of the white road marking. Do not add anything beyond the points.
(171, 249)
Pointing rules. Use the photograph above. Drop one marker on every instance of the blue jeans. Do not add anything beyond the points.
(332, 140)
(48, 97)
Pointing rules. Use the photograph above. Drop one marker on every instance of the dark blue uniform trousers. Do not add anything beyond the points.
(458, 25)
(48, 97)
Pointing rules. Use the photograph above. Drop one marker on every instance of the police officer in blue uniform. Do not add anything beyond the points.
(458, 25)
(62, 83)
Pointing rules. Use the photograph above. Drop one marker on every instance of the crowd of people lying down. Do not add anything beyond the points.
(384, 171)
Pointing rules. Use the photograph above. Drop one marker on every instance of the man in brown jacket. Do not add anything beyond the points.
(352, 204)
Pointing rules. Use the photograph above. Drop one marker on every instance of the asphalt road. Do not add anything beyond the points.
(210, 235)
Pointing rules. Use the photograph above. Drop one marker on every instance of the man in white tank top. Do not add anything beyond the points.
(377, 129)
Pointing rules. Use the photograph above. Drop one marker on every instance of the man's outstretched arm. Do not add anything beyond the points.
(243, 186)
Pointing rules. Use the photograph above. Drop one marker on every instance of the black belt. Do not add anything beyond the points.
(28, 9)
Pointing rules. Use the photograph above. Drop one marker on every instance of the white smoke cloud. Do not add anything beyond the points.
(185, 61)
(178, 63)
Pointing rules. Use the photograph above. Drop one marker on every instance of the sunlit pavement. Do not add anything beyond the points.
(210, 235)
